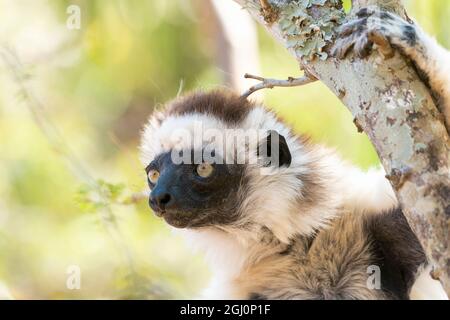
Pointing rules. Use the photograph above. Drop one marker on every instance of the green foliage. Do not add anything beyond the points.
(99, 196)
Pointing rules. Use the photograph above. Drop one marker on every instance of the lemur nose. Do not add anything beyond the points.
(159, 201)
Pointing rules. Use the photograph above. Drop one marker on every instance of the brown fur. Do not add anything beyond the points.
(224, 105)
(315, 185)
(331, 265)
(398, 250)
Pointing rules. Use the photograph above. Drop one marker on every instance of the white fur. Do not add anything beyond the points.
(225, 256)
(174, 132)
(367, 192)
(426, 288)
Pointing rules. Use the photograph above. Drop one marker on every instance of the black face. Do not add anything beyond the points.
(186, 199)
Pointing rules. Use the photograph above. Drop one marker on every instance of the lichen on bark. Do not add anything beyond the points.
(308, 26)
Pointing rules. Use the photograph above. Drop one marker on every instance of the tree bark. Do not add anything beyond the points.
(388, 101)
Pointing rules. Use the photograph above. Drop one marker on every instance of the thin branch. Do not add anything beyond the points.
(135, 197)
(271, 83)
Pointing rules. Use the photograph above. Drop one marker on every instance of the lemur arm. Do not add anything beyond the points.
(388, 31)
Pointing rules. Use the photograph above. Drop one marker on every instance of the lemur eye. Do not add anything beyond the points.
(204, 170)
(153, 176)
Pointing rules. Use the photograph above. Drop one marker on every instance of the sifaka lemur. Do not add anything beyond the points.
(277, 216)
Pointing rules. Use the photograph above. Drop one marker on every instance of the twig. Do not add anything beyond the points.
(136, 197)
(271, 83)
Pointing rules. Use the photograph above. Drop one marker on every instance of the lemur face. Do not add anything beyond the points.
(217, 184)
(194, 195)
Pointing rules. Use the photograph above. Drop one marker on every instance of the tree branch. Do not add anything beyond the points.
(271, 83)
(389, 102)
(269, 13)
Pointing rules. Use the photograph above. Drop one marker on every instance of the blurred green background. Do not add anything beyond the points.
(72, 104)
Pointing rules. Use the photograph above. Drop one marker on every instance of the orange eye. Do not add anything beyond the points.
(153, 176)
(204, 170)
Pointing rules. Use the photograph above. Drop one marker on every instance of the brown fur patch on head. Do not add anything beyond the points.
(222, 104)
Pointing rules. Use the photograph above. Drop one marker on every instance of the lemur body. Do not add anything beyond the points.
(312, 230)
(311, 227)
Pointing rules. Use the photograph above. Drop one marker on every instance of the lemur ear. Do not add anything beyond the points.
(274, 150)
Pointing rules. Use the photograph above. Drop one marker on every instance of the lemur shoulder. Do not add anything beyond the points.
(310, 227)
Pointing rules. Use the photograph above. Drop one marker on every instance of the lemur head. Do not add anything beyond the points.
(214, 159)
